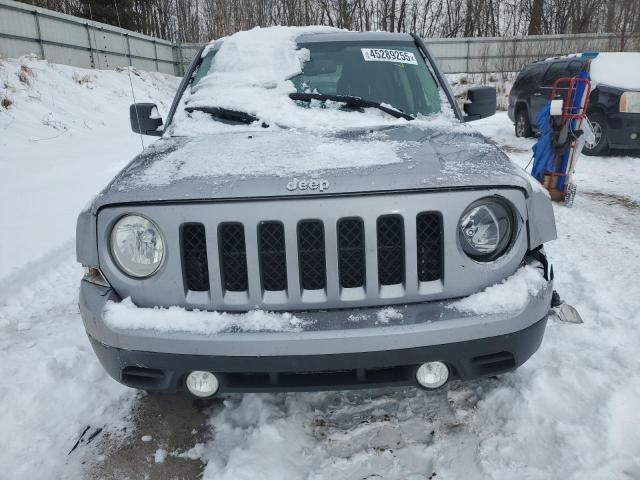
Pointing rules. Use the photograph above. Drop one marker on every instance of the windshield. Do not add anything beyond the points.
(266, 77)
(394, 75)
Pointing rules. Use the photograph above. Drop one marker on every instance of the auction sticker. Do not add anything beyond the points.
(386, 55)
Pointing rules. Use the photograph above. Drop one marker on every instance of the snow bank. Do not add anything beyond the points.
(64, 132)
(617, 69)
(511, 295)
(126, 315)
(64, 135)
(52, 387)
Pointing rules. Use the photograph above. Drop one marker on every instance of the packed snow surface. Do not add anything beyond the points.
(617, 69)
(571, 412)
(511, 295)
(65, 134)
(126, 315)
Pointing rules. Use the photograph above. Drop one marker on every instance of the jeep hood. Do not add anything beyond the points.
(260, 163)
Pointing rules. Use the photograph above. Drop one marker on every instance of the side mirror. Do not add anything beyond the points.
(145, 119)
(480, 103)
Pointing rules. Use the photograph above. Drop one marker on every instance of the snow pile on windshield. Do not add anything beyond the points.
(289, 152)
(512, 295)
(250, 73)
(617, 69)
(126, 315)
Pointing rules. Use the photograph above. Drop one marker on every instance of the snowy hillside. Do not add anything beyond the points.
(64, 132)
(570, 413)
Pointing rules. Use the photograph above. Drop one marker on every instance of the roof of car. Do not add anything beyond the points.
(354, 37)
(543, 61)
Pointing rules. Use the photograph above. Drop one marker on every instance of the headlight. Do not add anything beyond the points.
(485, 229)
(630, 102)
(137, 246)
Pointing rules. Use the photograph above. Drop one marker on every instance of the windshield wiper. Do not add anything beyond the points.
(351, 101)
(225, 114)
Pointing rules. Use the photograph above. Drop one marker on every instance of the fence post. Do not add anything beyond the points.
(39, 32)
(468, 54)
(155, 54)
(179, 66)
(93, 60)
(126, 36)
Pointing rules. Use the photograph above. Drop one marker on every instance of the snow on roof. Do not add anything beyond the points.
(617, 69)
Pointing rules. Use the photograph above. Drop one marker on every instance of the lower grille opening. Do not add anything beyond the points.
(143, 377)
(493, 363)
(333, 378)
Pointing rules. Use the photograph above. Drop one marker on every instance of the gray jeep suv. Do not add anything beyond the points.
(371, 259)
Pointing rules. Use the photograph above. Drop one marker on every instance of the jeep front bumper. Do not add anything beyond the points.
(333, 353)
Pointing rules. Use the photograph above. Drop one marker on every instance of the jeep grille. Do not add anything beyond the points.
(350, 246)
(317, 253)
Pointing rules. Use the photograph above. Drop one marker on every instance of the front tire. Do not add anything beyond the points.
(522, 124)
(599, 125)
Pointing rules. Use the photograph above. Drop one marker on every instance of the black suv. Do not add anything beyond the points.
(612, 125)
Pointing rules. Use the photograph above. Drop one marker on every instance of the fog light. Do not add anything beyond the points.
(202, 384)
(432, 374)
(634, 136)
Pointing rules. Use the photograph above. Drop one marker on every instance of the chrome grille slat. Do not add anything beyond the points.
(371, 256)
(256, 293)
(331, 247)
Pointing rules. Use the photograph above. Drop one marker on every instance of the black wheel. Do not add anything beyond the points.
(599, 125)
(523, 126)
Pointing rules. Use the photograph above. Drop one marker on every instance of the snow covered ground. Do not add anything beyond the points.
(62, 138)
(570, 413)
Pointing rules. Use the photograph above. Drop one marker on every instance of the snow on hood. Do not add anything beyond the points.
(259, 164)
(276, 153)
(250, 73)
(617, 69)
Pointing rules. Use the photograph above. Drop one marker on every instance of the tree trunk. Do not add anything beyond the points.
(535, 23)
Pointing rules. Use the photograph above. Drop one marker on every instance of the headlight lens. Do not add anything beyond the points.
(485, 229)
(630, 102)
(137, 246)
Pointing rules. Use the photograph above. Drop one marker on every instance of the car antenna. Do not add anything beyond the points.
(133, 93)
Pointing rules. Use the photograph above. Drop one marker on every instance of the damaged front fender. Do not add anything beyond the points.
(541, 224)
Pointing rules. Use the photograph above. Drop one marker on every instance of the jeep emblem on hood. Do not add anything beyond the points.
(319, 184)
